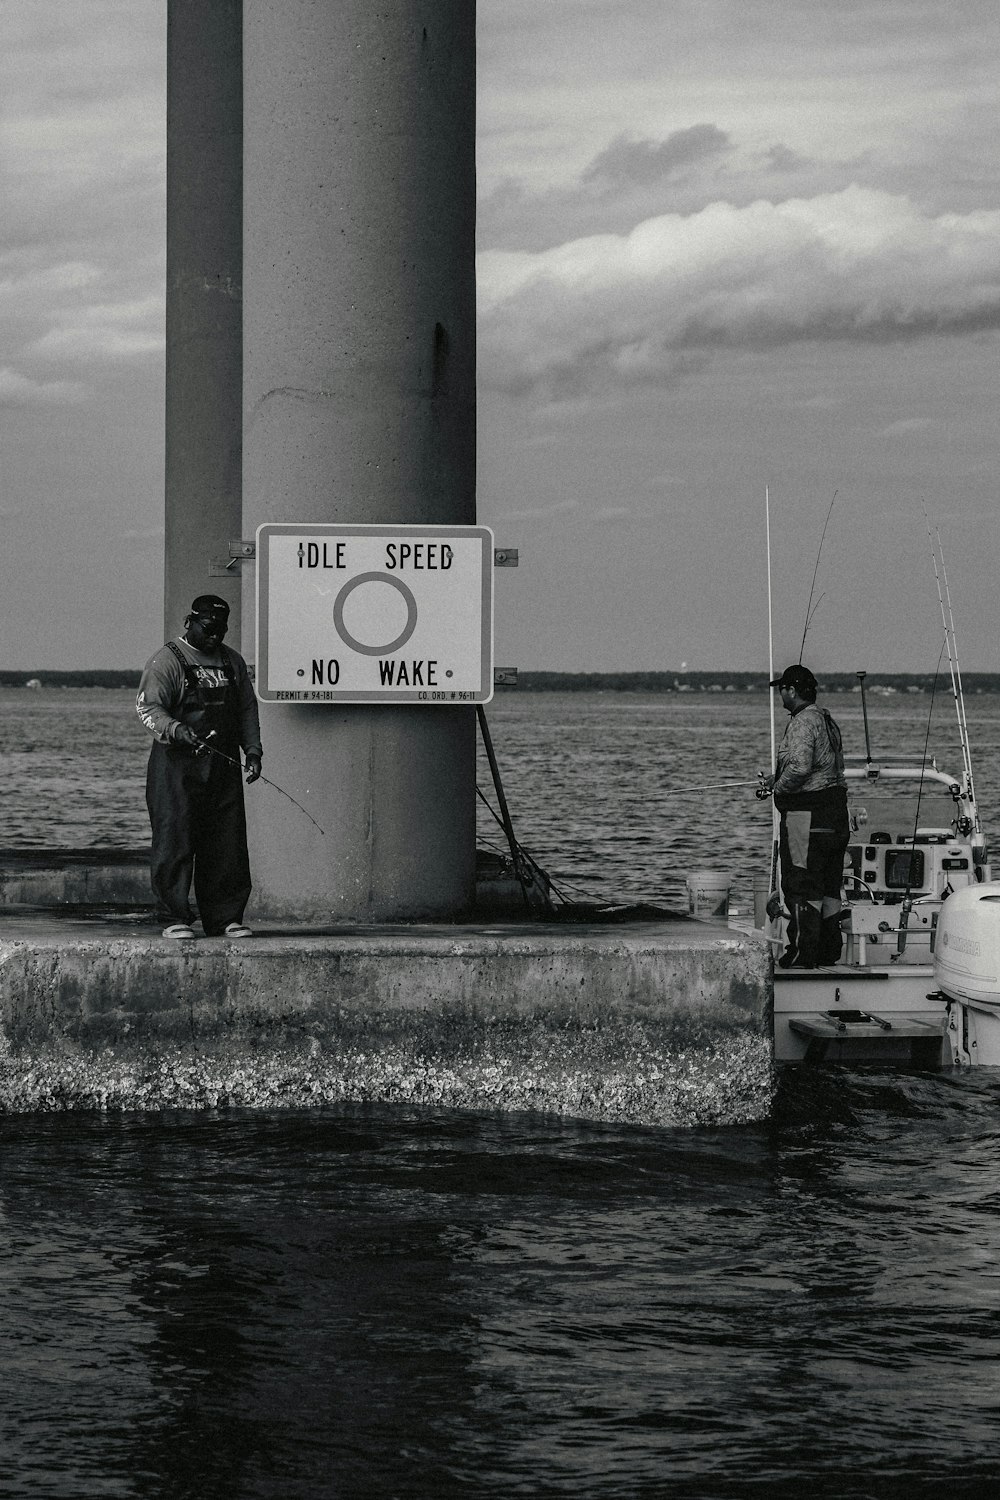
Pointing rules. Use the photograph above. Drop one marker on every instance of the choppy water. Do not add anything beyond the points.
(434, 1305)
(599, 784)
(424, 1304)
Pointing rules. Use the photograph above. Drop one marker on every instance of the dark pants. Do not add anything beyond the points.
(199, 829)
(813, 839)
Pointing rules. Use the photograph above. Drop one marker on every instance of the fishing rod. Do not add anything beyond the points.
(959, 694)
(810, 610)
(906, 905)
(717, 786)
(948, 622)
(231, 760)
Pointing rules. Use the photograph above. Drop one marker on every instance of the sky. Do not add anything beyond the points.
(738, 263)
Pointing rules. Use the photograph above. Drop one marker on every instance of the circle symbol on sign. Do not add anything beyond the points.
(389, 646)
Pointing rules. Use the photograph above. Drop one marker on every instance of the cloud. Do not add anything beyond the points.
(781, 159)
(623, 310)
(105, 331)
(907, 426)
(539, 512)
(142, 534)
(81, 267)
(645, 161)
(18, 390)
(48, 281)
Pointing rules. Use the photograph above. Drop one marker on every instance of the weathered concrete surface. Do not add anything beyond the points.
(359, 392)
(74, 877)
(119, 877)
(654, 1022)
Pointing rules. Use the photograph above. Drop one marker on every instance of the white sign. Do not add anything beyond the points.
(374, 614)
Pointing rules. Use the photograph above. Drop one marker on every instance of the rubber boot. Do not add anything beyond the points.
(831, 940)
(787, 959)
(810, 926)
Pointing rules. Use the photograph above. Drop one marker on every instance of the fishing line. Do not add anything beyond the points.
(960, 697)
(819, 552)
(956, 676)
(231, 760)
(904, 913)
(923, 761)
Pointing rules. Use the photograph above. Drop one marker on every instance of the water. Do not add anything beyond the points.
(396, 1303)
(429, 1304)
(593, 779)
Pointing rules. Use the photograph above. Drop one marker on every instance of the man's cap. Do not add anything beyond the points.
(798, 677)
(210, 604)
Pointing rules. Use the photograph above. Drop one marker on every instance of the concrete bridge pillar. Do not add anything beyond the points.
(359, 406)
(204, 336)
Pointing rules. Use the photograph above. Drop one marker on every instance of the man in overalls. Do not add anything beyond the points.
(196, 699)
(810, 792)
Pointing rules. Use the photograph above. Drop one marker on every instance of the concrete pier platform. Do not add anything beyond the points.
(658, 1022)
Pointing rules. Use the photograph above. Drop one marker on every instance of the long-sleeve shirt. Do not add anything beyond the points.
(161, 689)
(810, 756)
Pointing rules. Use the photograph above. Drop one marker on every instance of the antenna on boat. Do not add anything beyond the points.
(864, 710)
(770, 624)
(770, 691)
(948, 621)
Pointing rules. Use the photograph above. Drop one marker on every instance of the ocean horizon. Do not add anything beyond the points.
(669, 680)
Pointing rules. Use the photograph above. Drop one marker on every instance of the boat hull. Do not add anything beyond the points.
(816, 1010)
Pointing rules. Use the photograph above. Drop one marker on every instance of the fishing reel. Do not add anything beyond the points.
(203, 747)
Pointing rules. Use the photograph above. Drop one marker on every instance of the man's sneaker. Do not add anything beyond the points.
(237, 930)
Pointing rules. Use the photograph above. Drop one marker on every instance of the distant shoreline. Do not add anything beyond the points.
(601, 682)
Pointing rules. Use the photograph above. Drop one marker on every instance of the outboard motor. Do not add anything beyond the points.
(967, 945)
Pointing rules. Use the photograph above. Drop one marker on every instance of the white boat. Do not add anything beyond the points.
(918, 979)
(916, 847)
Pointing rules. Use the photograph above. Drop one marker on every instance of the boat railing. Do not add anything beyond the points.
(875, 773)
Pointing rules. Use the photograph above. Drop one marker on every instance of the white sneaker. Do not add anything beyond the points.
(237, 930)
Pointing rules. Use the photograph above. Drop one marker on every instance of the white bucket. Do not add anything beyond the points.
(708, 893)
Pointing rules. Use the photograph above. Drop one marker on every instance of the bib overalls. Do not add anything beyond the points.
(196, 811)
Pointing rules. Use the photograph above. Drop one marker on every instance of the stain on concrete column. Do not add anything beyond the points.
(204, 336)
(359, 406)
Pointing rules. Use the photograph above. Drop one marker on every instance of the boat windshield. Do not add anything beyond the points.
(889, 819)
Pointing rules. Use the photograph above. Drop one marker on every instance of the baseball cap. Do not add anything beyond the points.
(210, 604)
(798, 677)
